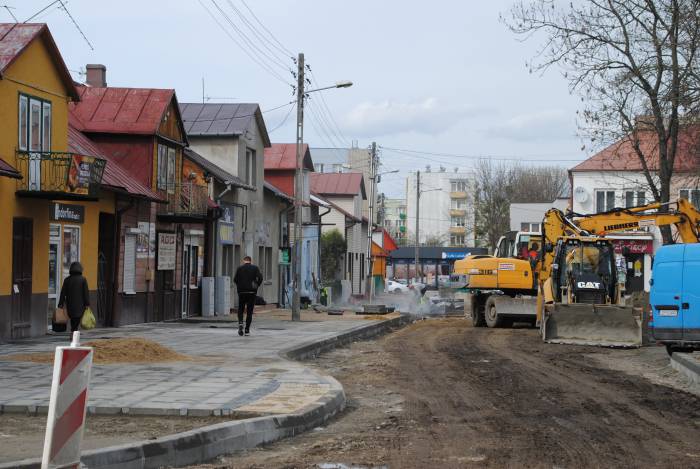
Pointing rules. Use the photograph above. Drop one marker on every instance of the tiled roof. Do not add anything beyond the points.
(284, 156)
(14, 39)
(621, 156)
(114, 177)
(338, 184)
(222, 120)
(7, 170)
(217, 172)
(122, 110)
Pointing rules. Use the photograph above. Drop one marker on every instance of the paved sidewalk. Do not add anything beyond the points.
(229, 374)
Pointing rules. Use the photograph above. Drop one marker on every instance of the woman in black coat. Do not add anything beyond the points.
(74, 295)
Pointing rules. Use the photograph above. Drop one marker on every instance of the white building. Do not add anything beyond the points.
(394, 218)
(528, 216)
(446, 207)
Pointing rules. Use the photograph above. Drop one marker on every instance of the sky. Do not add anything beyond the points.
(444, 77)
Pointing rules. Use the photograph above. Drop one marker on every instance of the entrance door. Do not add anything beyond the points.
(635, 273)
(192, 266)
(22, 239)
(105, 269)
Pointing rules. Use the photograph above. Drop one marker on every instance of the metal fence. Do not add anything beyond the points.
(59, 172)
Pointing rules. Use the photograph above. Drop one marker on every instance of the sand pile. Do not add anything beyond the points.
(106, 351)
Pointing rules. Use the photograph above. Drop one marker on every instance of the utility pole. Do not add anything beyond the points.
(417, 222)
(370, 227)
(298, 193)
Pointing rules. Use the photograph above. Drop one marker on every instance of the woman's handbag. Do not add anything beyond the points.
(88, 320)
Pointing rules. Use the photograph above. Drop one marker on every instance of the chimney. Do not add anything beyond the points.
(96, 75)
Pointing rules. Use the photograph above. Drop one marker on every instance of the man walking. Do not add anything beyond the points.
(247, 279)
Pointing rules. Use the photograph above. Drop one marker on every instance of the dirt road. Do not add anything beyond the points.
(443, 394)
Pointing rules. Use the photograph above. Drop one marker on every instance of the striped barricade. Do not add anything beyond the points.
(69, 394)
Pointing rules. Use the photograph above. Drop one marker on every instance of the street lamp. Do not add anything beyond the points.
(299, 183)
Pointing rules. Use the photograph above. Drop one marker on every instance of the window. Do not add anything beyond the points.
(634, 198)
(268, 264)
(458, 204)
(337, 168)
(318, 167)
(129, 274)
(459, 221)
(251, 167)
(693, 195)
(260, 261)
(605, 200)
(34, 124)
(166, 168)
(530, 227)
(459, 185)
(227, 269)
(457, 240)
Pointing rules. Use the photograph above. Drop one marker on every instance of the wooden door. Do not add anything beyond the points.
(22, 239)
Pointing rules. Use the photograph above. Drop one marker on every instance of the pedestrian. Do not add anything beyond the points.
(247, 279)
(74, 296)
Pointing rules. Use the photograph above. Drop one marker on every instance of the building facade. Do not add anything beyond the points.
(446, 208)
(393, 217)
(528, 216)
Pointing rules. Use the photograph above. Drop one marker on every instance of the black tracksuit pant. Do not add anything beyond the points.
(246, 302)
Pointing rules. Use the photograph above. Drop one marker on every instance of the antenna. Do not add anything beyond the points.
(75, 23)
(9, 10)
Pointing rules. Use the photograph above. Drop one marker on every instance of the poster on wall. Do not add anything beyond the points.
(166, 251)
(78, 176)
(142, 242)
(152, 241)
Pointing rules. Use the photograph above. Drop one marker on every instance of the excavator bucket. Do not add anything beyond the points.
(586, 324)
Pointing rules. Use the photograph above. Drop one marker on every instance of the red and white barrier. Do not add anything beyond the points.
(66, 419)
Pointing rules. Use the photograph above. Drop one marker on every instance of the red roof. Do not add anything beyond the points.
(16, 37)
(389, 243)
(6, 169)
(621, 156)
(114, 176)
(284, 156)
(122, 110)
(338, 184)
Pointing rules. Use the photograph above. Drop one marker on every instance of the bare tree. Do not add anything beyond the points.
(635, 65)
(499, 185)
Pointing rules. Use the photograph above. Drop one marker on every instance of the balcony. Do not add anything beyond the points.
(59, 175)
(185, 200)
(458, 230)
(458, 195)
(458, 212)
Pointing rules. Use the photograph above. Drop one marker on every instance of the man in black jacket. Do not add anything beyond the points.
(74, 296)
(247, 279)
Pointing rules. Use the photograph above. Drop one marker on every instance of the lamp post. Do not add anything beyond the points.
(299, 183)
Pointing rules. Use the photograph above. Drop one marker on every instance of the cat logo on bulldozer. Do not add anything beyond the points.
(590, 285)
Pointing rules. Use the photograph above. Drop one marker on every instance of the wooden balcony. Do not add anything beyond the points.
(59, 175)
(185, 200)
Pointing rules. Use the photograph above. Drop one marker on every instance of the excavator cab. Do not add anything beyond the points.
(582, 297)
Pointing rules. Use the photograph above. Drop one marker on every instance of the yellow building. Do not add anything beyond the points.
(50, 199)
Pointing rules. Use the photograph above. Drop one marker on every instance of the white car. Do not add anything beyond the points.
(393, 286)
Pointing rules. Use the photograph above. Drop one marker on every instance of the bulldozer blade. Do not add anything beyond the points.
(600, 325)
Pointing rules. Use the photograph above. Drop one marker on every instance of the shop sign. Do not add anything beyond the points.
(167, 243)
(454, 255)
(67, 212)
(633, 246)
(225, 232)
(284, 256)
(78, 179)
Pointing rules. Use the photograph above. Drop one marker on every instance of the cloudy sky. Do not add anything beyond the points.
(443, 77)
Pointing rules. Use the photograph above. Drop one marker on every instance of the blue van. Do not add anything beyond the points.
(675, 297)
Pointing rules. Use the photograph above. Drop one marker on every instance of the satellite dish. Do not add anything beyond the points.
(580, 195)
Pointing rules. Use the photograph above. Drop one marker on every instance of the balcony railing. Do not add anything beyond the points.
(185, 199)
(51, 174)
(458, 195)
(458, 212)
(458, 230)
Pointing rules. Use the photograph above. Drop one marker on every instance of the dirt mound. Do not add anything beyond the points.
(106, 351)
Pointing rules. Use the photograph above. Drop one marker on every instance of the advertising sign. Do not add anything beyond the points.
(67, 212)
(167, 243)
(78, 178)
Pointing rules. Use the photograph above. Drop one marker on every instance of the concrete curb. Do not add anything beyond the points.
(207, 443)
(313, 349)
(689, 367)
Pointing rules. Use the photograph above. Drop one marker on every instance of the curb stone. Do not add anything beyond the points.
(206, 443)
(686, 365)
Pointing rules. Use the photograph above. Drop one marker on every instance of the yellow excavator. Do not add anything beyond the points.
(571, 290)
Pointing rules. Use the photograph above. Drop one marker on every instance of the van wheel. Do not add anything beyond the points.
(491, 315)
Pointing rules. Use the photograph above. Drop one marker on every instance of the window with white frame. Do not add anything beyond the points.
(530, 227)
(34, 117)
(251, 167)
(457, 240)
(459, 221)
(693, 195)
(459, 185)
(458, 204)
(634, 198)
(604, 200)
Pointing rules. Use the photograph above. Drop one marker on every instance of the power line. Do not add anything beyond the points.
(41, 11)
(75, 23)
(482, 157)
(261, 37)
(241, 117)
(283, 120)
(267, 30)
(260, 63)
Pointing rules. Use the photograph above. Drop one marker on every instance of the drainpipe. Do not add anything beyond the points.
(117, 247)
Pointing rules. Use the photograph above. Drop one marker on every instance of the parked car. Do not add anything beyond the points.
(393, 286)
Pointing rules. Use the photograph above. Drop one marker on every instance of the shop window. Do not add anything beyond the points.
(71, 247)
(129, 269)
(194, 272)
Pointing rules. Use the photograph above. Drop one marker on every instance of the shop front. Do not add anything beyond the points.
(435, 264)
(633, 256)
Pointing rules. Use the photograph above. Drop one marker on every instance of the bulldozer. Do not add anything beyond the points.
(571, 290)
